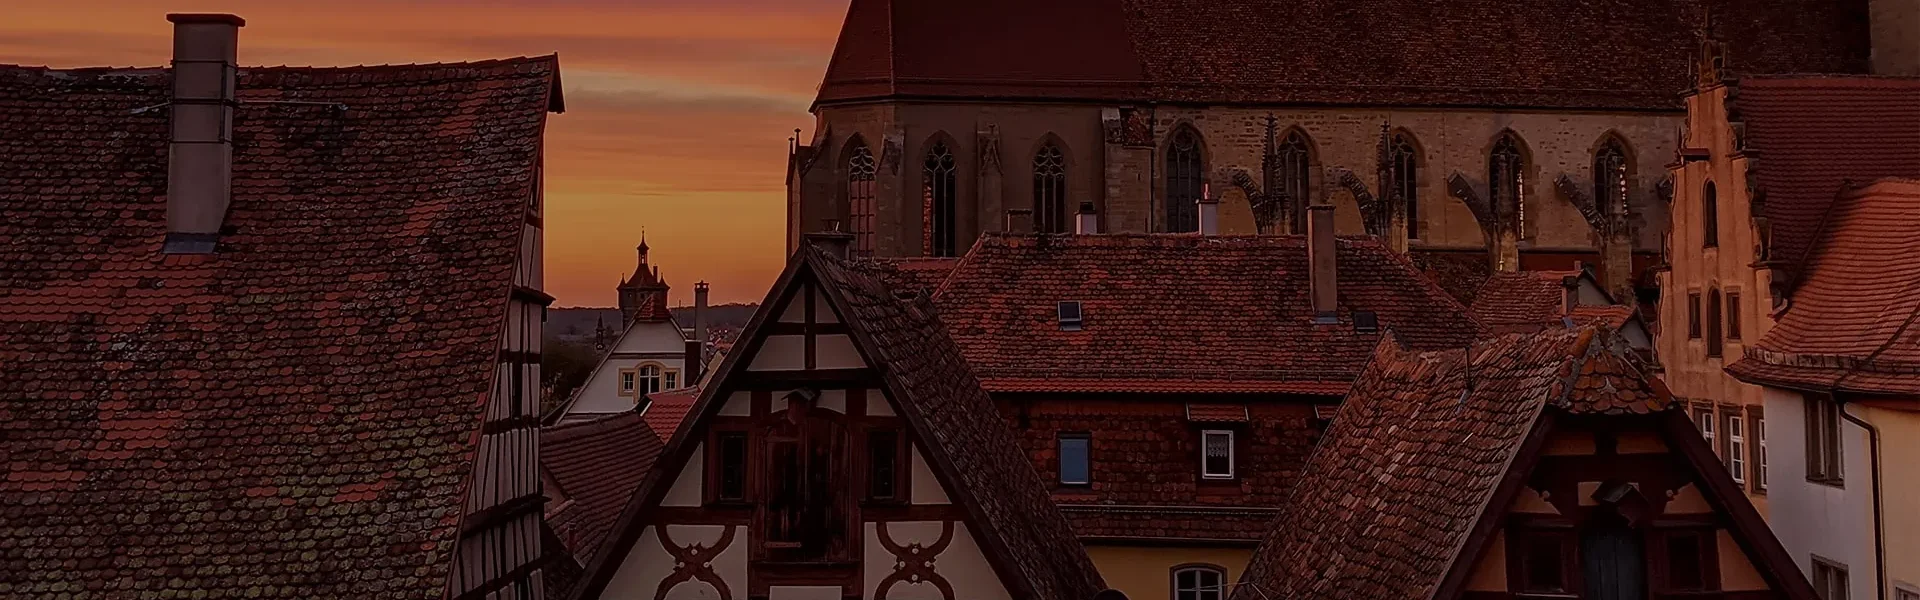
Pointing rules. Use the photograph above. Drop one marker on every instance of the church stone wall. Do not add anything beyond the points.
(1112, 175)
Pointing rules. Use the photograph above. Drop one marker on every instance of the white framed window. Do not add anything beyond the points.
(1829, 579)
(1704, 416)
(1901, 592)
(1760, 454)
(1199, 582)
(1216, 454)
(673, 379)
(626, 382)
(1737, 448)
(650, 378)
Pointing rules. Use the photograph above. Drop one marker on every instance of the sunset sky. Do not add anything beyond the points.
(678, 111)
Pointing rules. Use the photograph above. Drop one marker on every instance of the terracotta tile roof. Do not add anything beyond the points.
(1217, 413)
(1181, 313)
(1411, 461)
(598, 464)
(911, 274)
(1551, 53)
(1459, 273)
(667, 410)
(1226, 524)
(1849, 326)
(933, 389)
(296, 415)
(1529, 301)
(1812, 135)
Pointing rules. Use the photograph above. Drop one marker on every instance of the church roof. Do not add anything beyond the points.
(1814, 134)
(295, 415)
(1632, 54)
(1182, 313)
(1849, 327)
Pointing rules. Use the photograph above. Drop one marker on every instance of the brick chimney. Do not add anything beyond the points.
(200, 147)
(835, 242)
(1209, 215)
(1087, 222)
(1320, 262)
(695, 359)
(1020, 221)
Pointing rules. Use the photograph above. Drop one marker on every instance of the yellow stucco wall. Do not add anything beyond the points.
(1899, 450)
(1146, 572)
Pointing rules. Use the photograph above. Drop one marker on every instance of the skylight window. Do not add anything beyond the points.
(1069, 315)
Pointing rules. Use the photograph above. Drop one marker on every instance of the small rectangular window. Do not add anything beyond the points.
(1824, 450)
(1686, 561)
(1737, 448)
(1714, 319)
(1704, 416)
(1759, 449)
(1216, 461)
(1733, 315)
(673, 380)
(732, 452)
(1070, 315)
(1693, 316)
(1829, 579)
(883, 464)
(626, 381)
(1366, 321)
(1904, 593)
(1075, 468)
(1542, 560)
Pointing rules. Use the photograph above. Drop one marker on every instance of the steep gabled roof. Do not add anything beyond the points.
(1811, 136)
(1397, 500)
(1633, 54)
(295, 415)
(932, 388)
(597, 464)
(1182, 313)
(1850, 326)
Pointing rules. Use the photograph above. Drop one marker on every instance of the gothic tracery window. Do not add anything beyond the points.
(1293, 157)
(1506, 181)
(938, 192)
(1050, 190)
(1610, 177)
(1185, 179)
(1404, 160)
(860, 197)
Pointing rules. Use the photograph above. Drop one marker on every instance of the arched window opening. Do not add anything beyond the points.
(938, 192)
(1199, 582)
(1610, 177)
(650, 379)
(1050, 190)
(1293, 157)
(1709, 217)
(860, 197)
(1506, 173)
(1404, 161)
(1185, 181)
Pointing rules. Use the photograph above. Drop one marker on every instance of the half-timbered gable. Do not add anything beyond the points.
(1527, 466)
(843, 450)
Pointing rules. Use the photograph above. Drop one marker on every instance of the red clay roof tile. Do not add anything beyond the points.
(598, 464)
(294, 416)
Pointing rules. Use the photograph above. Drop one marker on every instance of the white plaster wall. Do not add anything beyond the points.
(803, 592)
(963, 563)
(780, 353)
(1812, 518)
(833, 400)
(740, 404)
(795, 311)
(926, 488)
(823, 312)
(639, 576)
(645, 342)
(686, 490)
(836, 352)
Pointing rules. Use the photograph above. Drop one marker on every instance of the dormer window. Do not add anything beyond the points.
(1216, 458)
(1069, 315)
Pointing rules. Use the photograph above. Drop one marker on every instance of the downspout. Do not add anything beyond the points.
(1879, 529)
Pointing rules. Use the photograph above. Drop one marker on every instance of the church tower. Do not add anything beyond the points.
(643, 296)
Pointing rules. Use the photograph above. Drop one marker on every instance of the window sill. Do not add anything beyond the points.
(1839, 482)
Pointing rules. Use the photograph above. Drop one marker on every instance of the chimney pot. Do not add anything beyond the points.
(200, 148)
(1320, 258)
(1209, 215)
(1020, 221)
(1087, 222)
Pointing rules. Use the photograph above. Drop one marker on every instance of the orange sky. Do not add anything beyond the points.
(678, 111)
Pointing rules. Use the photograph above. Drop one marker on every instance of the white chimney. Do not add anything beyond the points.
(1209, 215)
(1087, 222)
(1320, 263)
(200, 148)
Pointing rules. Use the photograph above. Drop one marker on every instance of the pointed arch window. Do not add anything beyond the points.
(938, 191)
(1506, 180)
(1185, 180)
(1710, 217)
(861, 202)
(1292, 158)
(1610, 177)
(1404, 162)
(1050, 190)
